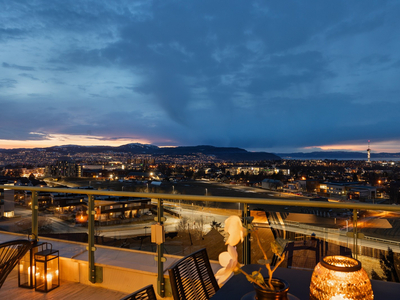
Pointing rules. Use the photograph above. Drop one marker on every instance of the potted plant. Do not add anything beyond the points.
(265, 288)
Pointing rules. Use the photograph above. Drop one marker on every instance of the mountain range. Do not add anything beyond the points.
(223, 153)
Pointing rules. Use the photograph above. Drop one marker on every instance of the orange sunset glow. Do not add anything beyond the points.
(386, 146)
(67, 139)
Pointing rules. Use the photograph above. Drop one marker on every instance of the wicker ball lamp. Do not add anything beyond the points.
(340, 277)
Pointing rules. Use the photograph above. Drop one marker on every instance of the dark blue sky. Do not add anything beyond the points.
(276, 76)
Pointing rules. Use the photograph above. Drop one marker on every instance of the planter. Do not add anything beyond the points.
(280, 292)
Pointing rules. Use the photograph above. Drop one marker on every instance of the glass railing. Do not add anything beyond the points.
(305, 230)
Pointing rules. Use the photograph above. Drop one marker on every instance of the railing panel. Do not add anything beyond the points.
(376, 247)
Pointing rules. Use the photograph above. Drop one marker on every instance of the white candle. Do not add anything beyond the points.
(49, 281)
(29, 274)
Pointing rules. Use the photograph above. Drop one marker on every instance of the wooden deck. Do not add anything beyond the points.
(66, 290)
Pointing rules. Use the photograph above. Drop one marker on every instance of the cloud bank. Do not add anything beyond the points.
(280, 75)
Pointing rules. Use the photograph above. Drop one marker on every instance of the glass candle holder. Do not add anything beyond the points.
(47, 270)
(340, 277)
(26, 266)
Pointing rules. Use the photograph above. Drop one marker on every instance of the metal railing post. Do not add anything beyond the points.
(355, 233)
(246, 242)
(35, 208)
(160, 252)
(91, 248)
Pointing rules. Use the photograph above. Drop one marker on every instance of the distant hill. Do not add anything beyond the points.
(223, 153)
(337, 155)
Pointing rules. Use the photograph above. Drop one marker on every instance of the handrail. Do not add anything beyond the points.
(268, 201)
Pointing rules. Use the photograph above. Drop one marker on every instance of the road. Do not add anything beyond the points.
(339, 237)
(170, 224)
(194, 214)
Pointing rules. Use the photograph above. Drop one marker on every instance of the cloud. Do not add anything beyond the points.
(28, 76)
(7, 83)
(11, 33)
(22, 68)
(375, 59)
(356, 26)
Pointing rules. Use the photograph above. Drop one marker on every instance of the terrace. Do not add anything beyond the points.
(94, 271)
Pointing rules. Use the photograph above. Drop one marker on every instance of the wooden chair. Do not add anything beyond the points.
(10, 254)
(309, 245)
(146, 293)
(307, 254)
(192, 277)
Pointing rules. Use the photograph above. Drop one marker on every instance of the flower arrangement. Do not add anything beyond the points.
(229, 259)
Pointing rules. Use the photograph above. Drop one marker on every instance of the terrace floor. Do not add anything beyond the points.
(124, 271)
(66, 290)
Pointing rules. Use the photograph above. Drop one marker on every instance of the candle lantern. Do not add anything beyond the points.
(340, 277)
(26, 266)
(47, 272)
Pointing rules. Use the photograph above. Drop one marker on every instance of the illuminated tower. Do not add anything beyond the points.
(369, 153)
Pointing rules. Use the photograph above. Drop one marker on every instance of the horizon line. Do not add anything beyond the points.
(321, 150)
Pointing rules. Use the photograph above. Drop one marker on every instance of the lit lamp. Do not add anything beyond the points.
(47, 270)
(26, 266)
(340, 277)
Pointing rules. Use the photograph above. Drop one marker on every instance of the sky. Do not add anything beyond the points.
(275, 76)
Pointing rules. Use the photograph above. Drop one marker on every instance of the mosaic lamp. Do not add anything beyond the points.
(340, 277)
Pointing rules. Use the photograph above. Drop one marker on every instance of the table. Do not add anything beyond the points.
(299, 281)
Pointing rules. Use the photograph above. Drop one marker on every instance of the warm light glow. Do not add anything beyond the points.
(29, 274)
(9, 214)
(50, 140)
(385, 146)
(81, 218)
(340, 277)
(49, 281)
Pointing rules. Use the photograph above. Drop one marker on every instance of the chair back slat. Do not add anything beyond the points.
(146, 293)
(192, 277)
(10, 254)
